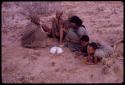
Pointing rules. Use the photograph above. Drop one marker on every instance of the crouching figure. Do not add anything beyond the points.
(34, 37)
(96, 52)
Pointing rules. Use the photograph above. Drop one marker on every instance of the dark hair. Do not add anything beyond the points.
(85, 38)
(93, 45)
(76, 20)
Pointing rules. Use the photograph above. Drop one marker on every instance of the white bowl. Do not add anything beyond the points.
(55, 50)
(59, 50)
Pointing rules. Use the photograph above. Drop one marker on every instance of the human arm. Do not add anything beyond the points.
(61, 36)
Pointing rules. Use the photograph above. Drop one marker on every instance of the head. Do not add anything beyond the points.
(84, 40)
(75, 21)
(59, 14)
(91, 48)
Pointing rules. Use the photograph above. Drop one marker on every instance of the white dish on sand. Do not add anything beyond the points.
(56, 50)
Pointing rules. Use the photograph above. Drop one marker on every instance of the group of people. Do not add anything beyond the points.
(72, 34)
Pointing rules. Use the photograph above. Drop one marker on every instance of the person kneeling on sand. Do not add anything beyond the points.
(96, 52)
(57, 29)
(75, 32)
(34, 37)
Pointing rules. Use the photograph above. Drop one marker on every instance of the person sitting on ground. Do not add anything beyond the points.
(34, 36)
(75, 32)
(96, 52)
(57, 30)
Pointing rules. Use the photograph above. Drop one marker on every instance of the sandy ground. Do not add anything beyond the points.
(104, 22)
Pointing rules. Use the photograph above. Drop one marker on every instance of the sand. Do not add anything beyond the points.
(104, 22)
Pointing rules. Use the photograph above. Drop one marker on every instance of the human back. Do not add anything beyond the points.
(76, 32)
(33, 36)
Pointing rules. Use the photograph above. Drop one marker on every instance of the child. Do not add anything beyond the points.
(97, 51)
(84, 40)
(57, 24)
(57, 30)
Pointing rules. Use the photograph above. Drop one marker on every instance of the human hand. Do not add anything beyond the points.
(89, 61)
(78, 53)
